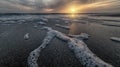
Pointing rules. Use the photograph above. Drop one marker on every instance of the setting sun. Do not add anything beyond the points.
(73, 10)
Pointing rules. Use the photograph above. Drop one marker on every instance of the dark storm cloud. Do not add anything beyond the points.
(50, 5)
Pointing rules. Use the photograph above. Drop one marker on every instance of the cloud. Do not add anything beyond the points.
(57, 5)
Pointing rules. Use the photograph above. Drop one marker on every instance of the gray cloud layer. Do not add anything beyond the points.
(54, 5)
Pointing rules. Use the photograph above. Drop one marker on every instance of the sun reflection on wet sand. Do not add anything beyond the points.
(73, 28)
(73, 15)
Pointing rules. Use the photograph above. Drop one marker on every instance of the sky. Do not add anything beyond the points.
(59, 6)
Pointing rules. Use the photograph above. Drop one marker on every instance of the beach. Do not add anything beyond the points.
(15, 49)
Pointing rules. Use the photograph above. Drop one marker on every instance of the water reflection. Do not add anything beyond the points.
(76, 28)
(73, 28)
(73, 15)
(99, 42)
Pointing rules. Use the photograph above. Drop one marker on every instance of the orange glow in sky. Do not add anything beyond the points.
(73, 10)
(79, 8)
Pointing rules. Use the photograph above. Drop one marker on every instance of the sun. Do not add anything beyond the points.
(73, 9)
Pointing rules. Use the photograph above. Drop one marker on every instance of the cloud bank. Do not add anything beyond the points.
(56, 6)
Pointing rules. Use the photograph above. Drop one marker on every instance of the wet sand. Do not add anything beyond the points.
(99, 42)
(14, 50)
(58, 54)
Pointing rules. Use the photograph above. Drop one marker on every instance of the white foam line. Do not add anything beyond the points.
(33, 57)
(115, 39)
(26, 36)
(82, 52)
(42, 23)
(82, 36)
(65, 27)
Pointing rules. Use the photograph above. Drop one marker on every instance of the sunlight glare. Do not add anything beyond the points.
(73, 9)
